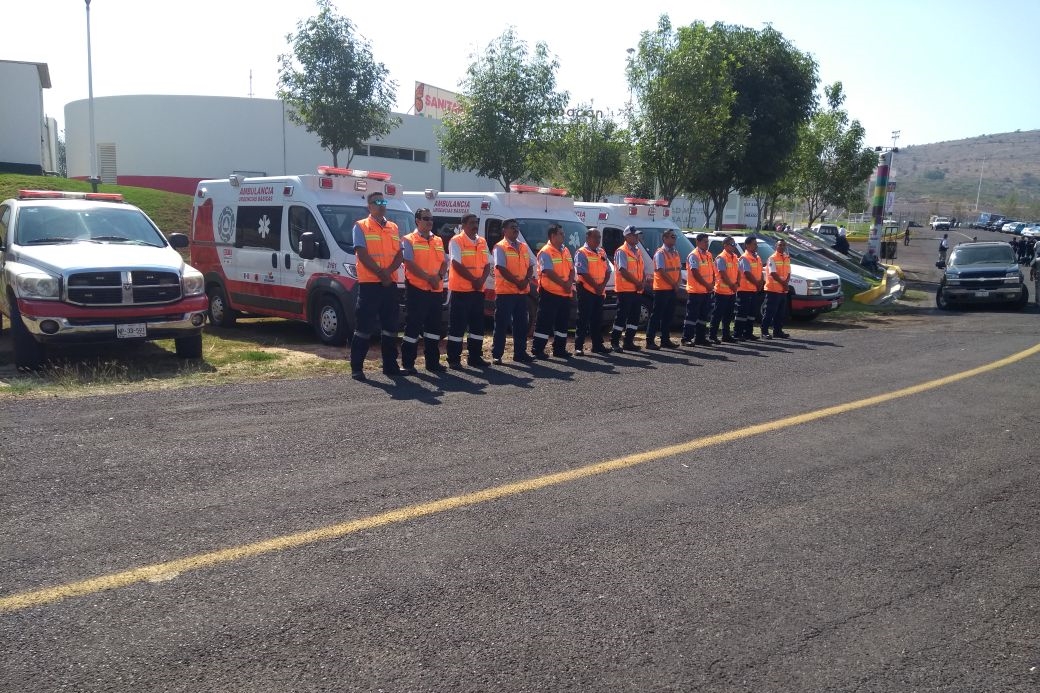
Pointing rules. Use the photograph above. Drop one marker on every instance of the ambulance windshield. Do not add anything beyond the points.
(536, 233)
(341, 219)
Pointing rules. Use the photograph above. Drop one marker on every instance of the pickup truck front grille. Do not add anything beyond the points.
(118, 288)
(831, 286)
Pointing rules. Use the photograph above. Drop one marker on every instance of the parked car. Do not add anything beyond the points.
(981, 273)
(88, 267)
(825, 229)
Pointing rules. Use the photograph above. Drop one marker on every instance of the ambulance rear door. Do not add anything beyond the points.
(254, 281)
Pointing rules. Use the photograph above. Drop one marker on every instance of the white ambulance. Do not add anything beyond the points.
(651, 217)
(535, 208)
(283, 246)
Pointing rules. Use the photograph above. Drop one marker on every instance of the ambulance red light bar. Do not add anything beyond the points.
(354, 173)
(558, 192)
(64, 195)
(638, 201)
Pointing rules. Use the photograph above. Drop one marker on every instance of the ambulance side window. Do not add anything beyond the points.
(259, 227)
(492, 231)
(612, 240)
(300, 221)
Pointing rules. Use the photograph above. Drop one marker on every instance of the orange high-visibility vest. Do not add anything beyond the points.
(428, 253)
(782, 261)
(518, 261)
(382, 244)
(705, 269)
(597, 261)
(672, 263)
(474, 258)
(756, 271)
(732, 272)
(635, 267)
(562, 265)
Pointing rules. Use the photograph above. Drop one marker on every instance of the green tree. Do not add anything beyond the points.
(510, 114)
(333, 85)
(830, 164)
(719, 106)
(590, 154)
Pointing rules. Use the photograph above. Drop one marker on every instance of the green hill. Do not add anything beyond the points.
(944, 177)
(171, 211)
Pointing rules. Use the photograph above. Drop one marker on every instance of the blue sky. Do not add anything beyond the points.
(933, 70)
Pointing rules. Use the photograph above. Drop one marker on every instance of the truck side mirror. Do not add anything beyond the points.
(308, 249)
(178, 240)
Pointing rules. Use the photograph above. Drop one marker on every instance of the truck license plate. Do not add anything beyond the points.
(138, 329)
(981, 294)
(834, 304)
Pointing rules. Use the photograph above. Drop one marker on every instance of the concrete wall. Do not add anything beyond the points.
(172, 142)
(22, 139)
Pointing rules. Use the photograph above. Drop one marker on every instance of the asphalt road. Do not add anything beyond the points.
(891, 546)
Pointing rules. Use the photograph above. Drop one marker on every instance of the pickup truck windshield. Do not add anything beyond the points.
(47, 225)
(989, 255)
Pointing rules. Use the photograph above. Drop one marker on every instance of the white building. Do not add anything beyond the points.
(172, 142)
(28, 140)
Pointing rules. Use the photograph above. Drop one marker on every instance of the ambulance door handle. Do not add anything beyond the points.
(274, 260)
(288, 261)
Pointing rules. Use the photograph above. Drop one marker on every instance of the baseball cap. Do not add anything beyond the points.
(632, 231)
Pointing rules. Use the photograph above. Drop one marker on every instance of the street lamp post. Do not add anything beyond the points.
(90, 102)
(979, 192)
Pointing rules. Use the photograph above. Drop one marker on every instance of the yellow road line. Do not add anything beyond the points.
(161, 571)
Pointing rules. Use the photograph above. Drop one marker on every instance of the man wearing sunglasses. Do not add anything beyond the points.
(424, 266)
(377, 247)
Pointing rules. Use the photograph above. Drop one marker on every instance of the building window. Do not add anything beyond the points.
(402, 153)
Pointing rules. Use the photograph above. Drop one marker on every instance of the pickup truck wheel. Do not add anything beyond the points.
(188, 347)
(28, 353)
(330, 322)
(219, 312)
(940, 300)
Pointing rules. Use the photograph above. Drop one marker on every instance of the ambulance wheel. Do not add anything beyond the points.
(330, 322)
(220, 314)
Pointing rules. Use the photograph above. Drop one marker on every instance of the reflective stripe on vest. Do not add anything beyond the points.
(705, 269)
(783, 268)
(474, 258)
(672, 266)
(518, 261)
(635, 268)
(732, 272)
(382, 244)
(428, 253)
(756, 272)
(597, 262)
(562, 266)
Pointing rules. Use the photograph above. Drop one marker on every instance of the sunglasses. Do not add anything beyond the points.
(425, 218)
(378, 203)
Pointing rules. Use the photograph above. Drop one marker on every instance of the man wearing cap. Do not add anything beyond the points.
(424, 267)
(513, 274)
(377, 247)
(778, 277)
(751, 283)
(593, 273)
(555, 287)
(628, 284)
(727, 279)
(470, 268)
(667, 268)
(700, 283)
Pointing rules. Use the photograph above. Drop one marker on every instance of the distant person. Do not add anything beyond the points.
(555, 289)
(778, 277)
(667, 268)
(470, 268)
(424, 267)
(841, 244)
(513, 275)
(1034, 274)
(944, 245)
(870, 261)
(906, 234)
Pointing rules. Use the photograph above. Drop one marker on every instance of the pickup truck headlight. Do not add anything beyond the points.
(192, 282)
(38, 285)
(814, 287)
(1013, 278)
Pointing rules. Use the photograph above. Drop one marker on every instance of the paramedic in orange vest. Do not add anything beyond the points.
(593, 272)
(424, 268)
(470, 267)
(727, 277)
(555, 288)
(628, 284)
(667, 268)
(749, 290)
(700, 284)
(513, 275)
(778, 277)
(377, 246)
